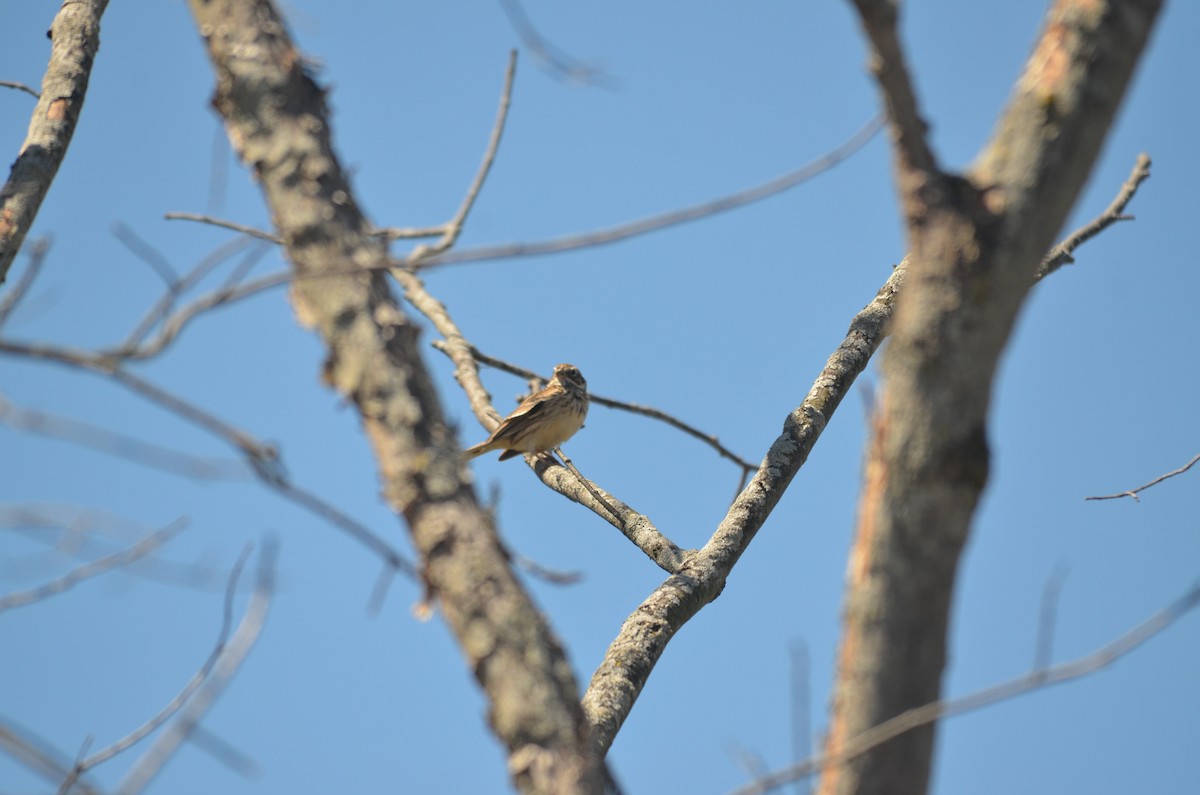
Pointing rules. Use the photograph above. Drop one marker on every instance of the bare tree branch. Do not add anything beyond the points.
(977, 242)
(1044, 649)
(263, 459)
(177, 287)
(645, 634)
(77, 530)
(599, 237)
(619, 679)
(193, 684)
(1041, 677)
(115, 444)
(93, 569)
(236, 227)
(223, 668)
(40, 757)
(918, 179)
(556, 62)
(667, 219)
(279, 125)
(75, 34)
(20, 87)
(1062, 253)
(147, 253)
(454, 228)
(633, 525)
(1134, 492)
(37, 257)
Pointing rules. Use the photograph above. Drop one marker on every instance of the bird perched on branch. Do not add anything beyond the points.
(544, 420)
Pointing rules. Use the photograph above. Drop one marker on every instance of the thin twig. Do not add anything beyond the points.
(76, 529)
(147, 253)
(599, 237)
(351, 527)
(37, 257)
(557, 62)
(213, 221)
(173, 324)
(1134, 492)
(1062, 253)
(93, 569)
(262, 458)
(176, 289)
(801, 691)
(545, 573)
(455, 225)
(227, 662)
(408, 233)
(1045, 677)
(82, 764)
(20, 87)
(115, 444)
(39, 756)
(672, 218)
(1044, 651)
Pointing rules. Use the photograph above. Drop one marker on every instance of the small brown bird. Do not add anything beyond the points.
(544, 420)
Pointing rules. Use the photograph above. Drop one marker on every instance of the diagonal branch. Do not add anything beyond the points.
(1134, 492)
(262, 458)
(94, 568)
(223, 668)
(181, 698)
(671, 218)
(454, 228)
(644, 636)
(1062, 253)
(75, 34)
(633, 525)
(279, 125)
(12, 299)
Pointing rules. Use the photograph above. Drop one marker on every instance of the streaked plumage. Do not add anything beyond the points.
(544, 420)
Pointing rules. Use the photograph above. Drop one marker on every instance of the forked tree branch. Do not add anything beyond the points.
(618, 681)
(670, 218)
(280, 127)
(199, 678)
(645, 634)
(1062, 254)
(209, 683)
(261, 458)
(977, 242)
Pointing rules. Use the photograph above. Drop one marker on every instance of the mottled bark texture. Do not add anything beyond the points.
(643, 638)
(277, 120)
(976, 242)
(75, 38)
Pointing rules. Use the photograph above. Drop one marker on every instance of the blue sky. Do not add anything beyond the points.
(724, 323)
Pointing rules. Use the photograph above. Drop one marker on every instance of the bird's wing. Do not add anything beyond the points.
(530, 408)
